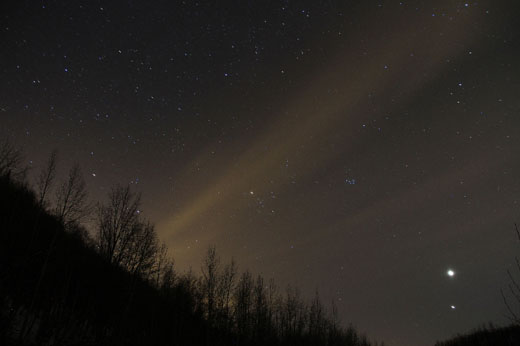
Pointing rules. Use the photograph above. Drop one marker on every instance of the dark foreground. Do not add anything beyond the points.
(507, 336)
(57, 289)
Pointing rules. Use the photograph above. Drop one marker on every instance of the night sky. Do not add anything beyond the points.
(361, 148)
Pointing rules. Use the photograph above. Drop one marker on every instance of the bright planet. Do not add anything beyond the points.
(450, 273)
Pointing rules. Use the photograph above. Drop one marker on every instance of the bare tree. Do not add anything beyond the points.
(115, 222)
(46, 177)
(244, 305)
(163, 273)
(11, 161)
(317, 320)
(122, 238)
(260, 314)
(140, 255)
(226, 285)
(293, 314)
(71, 198)
(209, 282)
(513, 291)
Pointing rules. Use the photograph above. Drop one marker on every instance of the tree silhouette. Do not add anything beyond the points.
(244, 306)
(513, 295)
(226, 285)
(71, 197)
(46, 178)
(122, 237)
(58, 289)
(11, 160)
(209, 282)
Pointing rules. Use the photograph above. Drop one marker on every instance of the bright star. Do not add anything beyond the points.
(450, 273)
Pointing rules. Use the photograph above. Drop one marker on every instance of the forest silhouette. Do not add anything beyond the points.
(115, 284)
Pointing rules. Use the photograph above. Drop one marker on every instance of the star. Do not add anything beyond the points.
(450, 273)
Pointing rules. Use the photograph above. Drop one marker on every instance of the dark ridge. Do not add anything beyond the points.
(487, 336)
(56, 289)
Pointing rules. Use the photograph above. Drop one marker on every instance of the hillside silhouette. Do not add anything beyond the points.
(486, 336)
(116, 285)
